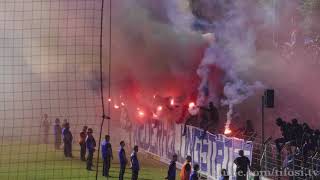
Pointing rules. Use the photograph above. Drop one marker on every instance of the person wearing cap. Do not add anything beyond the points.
(91, 145)
(82, 143)
(57, 130)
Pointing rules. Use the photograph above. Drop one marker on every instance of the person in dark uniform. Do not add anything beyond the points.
(172, 168)
(123, 160)
(242, 164)
(195, 174)
(82, 143)
(67, 140)
(135, 166)
(106, 151)
(91, 145)
(57, 134)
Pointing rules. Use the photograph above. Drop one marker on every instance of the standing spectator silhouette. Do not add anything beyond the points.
(57, 134)
(107, 156)
(123, 160)
(172, 168)
(135, 166)
(91, 145)
(195, 174)
(82, 143)
(242, 164)
(186, 169)
(67, 140)
(45, 124)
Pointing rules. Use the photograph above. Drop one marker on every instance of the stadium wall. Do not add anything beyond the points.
(213, 152)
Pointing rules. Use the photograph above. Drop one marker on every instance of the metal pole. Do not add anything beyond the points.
(262, 135)
(110, 49)
(101, 89)
(262, 120)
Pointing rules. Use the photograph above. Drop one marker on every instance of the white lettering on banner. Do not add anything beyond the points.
(213, 153)
(204, 155)
(212, 161)
(196, 150)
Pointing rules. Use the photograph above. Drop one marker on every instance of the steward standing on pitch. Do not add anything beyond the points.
(135, 163)
(123, 160)
(67, 140)
(172, 168)
(82, 143)
(106, 150)
(91, 144)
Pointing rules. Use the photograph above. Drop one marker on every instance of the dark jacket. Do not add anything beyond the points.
(122, 157)
(172, 171)
(106, 149)
(135, 162)
(67, 136)
(90, 143)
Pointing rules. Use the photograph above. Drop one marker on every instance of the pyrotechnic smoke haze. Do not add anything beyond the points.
(156, 48)
(49, 50)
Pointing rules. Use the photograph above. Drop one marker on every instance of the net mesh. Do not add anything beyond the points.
(49, 59)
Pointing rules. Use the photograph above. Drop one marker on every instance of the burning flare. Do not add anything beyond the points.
(227, 130)
(141, 113)
(172, 102)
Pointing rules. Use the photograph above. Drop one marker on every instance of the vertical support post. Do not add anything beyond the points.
(263, 160)
(262, 119)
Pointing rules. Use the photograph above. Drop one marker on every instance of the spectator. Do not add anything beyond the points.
(186, 169)
(91, 145)
(57, 134)
(107, 156)
(45, 124)
(224, 175)
(135, 166)
(67, 140)
(242, 164)
(172, 168)
(123, 160)
(195, 174)
(82, 143)
(280, 142)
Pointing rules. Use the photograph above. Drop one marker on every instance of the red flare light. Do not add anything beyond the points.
(141, 113)
(172, 102)
(227, 131)
(116, 106)
(155, 116)
(122, 104)
(109, 99)
(159, 108)
(192, 105)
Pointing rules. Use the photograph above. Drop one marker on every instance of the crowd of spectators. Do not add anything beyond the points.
(302, 145)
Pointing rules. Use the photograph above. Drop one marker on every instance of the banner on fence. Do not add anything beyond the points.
(212, 152)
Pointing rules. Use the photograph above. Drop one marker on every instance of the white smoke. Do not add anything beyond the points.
(232, 49)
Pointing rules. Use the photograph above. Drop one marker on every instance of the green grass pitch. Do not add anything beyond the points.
(42, 162)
